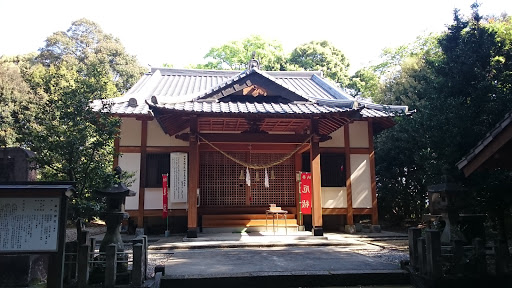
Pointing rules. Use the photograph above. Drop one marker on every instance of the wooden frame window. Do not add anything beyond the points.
(332, 168)
(156, 165)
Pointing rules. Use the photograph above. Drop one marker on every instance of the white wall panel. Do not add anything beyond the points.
(338, 139)
(130, 132)
(334, 197)
(130, 162)
(358, 133)
(156, 136)
(361, 181)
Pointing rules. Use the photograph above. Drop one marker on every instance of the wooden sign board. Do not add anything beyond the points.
(179, 177)
(29, 224)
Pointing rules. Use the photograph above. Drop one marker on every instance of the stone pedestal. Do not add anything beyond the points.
(318, 231)
(350, 229)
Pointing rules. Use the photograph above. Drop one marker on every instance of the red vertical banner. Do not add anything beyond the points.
(165, 198)
(305, 193)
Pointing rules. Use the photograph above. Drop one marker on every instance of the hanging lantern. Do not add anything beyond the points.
(257, 178)
(241, 177)
(272, 175)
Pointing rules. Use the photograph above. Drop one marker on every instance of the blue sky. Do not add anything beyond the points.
(181, 32)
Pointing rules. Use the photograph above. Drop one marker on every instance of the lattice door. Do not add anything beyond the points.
(218, 180)
(281, 190)
(220, 184)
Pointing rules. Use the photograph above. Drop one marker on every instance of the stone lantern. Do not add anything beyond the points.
(445, 200)
(114, 214)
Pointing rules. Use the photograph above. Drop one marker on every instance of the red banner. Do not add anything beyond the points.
(165, 198)
(305, 192)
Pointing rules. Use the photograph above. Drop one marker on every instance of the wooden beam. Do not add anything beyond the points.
(344, 211)
(256, 148)
(142, 173)
(193, 178)
(248, 138)
(214, 210)
(375, 215)
(350, 212)
(316, 177)
(153, 149)
(156, 213)
(129, 149)
(116, 151)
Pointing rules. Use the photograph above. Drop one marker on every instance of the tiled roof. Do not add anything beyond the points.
(260, 108)
(486, 141)
(184, 89)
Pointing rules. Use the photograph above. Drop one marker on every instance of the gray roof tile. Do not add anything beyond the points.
(177, 89)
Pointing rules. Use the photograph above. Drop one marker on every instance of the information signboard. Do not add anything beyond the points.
(178, 177)
(29, 224)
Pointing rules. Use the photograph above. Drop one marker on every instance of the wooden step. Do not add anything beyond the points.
(244, 216)
(220, 223)
(237, 222)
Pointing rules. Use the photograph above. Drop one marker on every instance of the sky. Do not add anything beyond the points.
(181, 32)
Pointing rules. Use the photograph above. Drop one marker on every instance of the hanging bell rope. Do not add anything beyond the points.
(257, 166)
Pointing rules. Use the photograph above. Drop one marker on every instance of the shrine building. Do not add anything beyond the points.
(234, 142)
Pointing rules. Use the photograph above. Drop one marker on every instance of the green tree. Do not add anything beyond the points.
(322, 56)
(85, 44)
(365, 83)
(460, 90)
(73, 142)
(16, 99)
(235, 55)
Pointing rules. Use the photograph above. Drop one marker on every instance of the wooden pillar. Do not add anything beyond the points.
(142, 173)
(193, 179)
(350, 211)
(375, 211)
(116, 150)
(316, 182)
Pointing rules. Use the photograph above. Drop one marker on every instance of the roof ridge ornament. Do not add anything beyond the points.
(253, 63)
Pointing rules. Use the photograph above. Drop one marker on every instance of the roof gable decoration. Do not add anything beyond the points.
(253, 82)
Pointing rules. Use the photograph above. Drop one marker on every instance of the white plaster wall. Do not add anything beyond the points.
(130, 132)
(338, 139)
(156, 136)
(361, 181)
(178, 142)
(153, 200)
(130, 162)
(358, 133)
(334, 197)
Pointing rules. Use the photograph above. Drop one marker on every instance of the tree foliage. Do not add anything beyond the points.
(460, 90)
(16, 99)
(365, 83)
(235, 55)
(85, 44)
(322, 56)
(71, 141)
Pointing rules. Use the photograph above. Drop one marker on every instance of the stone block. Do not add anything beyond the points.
(376, 228)
(350, 229)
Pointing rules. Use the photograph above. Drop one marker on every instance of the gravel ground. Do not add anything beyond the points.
(386, 250)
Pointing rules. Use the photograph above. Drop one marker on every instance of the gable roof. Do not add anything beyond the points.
(184, 89)
(492, 150)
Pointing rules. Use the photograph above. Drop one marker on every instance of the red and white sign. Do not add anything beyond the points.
(305, 192)
(165, 196)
